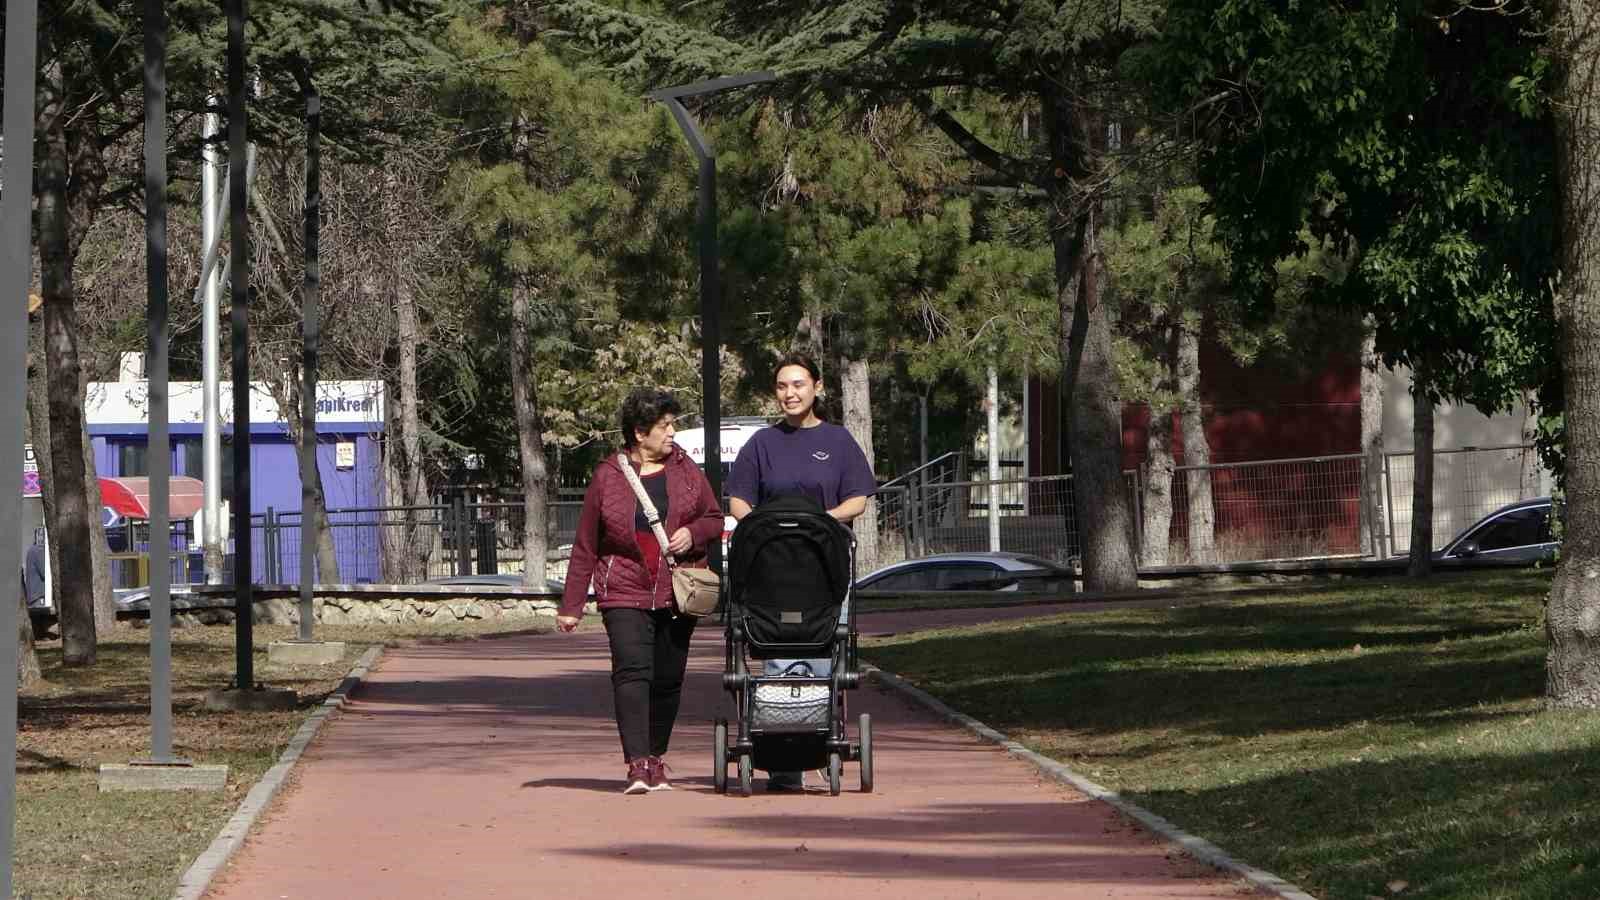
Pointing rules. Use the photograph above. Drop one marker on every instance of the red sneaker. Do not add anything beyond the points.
(639, 773)
(658, 774)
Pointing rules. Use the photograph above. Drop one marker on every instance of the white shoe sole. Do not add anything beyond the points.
(637, 787)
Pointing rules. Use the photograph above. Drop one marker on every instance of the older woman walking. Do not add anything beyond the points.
(616, 548)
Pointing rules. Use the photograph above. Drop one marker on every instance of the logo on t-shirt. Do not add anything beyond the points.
(820, 456)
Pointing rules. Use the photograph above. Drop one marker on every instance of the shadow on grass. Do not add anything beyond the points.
(1519, 825)
(1236, 669)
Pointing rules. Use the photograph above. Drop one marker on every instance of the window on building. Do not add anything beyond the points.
(133, 460)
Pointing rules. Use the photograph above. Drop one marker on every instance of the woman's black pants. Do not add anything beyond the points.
(649, 651)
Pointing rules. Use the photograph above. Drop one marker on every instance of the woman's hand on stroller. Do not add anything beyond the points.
(567, 623)
(680, 542)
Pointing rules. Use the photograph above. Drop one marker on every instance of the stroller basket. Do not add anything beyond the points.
(796, 701)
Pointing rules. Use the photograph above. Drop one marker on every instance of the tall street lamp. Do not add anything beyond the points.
(706, 225)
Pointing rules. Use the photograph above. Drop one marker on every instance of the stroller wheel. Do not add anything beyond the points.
(866, 753)
(719, 771)
(835, 772)
(746, 776)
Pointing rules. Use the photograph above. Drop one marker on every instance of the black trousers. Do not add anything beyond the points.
(649, 651)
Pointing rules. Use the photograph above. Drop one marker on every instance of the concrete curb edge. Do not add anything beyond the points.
(1197, 847)
(197, 878)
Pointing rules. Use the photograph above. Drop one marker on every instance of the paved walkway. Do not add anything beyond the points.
(491, 769)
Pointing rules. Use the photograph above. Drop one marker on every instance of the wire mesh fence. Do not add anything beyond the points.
(408, 545)
(1468, 484)
(1035, 516)
(1305, 508)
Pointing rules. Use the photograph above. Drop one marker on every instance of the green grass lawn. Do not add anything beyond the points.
(1362, 741)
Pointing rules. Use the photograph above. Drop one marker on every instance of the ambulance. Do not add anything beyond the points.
(736, 430)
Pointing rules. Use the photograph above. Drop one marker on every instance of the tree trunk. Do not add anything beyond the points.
(1531, 478)
(530, 444)
(1196, 447)
(1422, 478)
(1158, 464)
(1157, 488)
(1375, 520)
(418, 537)
(1572, 614)
(105, 601)
(327, 552)
(28, 671)
(67, 517)
(856, 388)
(1102, 507)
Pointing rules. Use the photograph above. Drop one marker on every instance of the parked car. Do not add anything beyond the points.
(1517, 532)
(970, 572)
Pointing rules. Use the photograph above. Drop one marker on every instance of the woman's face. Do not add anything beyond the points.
(656, 444)
(797, 391)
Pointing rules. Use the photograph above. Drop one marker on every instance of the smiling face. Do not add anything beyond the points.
(655, 445)
(797, 394)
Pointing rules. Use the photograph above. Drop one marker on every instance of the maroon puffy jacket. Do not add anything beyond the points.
(606, 549)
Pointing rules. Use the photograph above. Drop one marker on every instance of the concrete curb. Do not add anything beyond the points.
(1199, 848)
(195, 881)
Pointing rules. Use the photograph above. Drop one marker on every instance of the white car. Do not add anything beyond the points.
(736, 431)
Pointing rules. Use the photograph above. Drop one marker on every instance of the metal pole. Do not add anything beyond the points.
(160, 454)
(211, 350)
(463, 554)
(922, 416)
(710, 334)
(993, 403)
(1388, 489)
(311, 336)
(16, 276)
(239, 267)
(710, 292)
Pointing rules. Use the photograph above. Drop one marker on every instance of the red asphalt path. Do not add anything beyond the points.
(492, 769)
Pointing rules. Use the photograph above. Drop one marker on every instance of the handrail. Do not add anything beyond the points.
(893, 482)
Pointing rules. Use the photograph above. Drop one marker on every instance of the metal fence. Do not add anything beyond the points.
(407, 545)
(1304, 508)
(1467, 485)
(946, 516)
(1282, 509)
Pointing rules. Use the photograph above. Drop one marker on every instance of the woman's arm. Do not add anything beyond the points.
(706, 526)
(585, 552)
(848, 510)
(738, 508)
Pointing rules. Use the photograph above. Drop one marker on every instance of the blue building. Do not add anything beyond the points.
(350, 420)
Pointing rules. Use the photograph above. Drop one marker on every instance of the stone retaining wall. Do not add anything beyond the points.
(348, 610)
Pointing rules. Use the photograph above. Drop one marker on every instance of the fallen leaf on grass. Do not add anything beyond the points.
(1397, 886)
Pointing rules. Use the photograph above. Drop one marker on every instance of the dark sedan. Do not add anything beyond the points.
(1516, 532)
(970, 572)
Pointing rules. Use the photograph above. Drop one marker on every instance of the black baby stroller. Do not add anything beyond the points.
(790, 571)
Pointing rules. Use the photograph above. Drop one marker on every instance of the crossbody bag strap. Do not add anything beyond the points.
(650, 514)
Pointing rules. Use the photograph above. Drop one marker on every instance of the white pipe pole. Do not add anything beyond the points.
(211, 437)
(994, 460)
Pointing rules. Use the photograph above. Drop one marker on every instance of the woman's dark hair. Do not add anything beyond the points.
(642, 410)
(797, 358)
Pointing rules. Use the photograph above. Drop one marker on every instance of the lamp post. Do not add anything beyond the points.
(706, 225)
(16, 272)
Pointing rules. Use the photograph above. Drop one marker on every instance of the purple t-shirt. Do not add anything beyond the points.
(822, 462)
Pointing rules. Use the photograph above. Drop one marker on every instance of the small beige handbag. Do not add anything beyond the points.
(695, 591)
